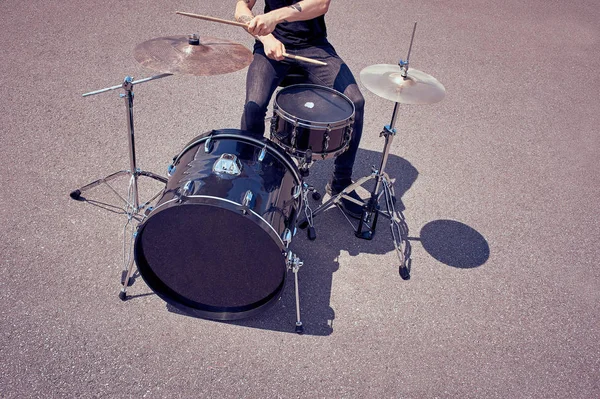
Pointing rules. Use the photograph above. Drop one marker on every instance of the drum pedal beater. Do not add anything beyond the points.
(132, 206)
(308, 212)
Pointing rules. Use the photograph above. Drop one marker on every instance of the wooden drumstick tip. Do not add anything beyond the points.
(305, 59)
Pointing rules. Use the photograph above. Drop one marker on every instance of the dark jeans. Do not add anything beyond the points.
(264, 75)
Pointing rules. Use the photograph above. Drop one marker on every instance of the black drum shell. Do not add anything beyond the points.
(201, 248)
(311, 131)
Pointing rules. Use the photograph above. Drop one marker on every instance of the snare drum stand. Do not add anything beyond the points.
(304, 168)
(371, 207)
(132, 206)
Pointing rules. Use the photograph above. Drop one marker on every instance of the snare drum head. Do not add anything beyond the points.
(315, 104)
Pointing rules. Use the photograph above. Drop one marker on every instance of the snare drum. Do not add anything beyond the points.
(216, 243)
(312, 122)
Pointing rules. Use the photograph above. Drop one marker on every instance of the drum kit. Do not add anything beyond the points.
(214, 242)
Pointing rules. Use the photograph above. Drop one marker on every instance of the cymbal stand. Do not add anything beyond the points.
(132, 206)
(371, 207)
(383, 188)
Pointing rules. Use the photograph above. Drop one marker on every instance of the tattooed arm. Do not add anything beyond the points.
(274, 49)
(301, 11)
(243, 10)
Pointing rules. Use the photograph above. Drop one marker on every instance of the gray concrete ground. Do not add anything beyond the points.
(500, 183)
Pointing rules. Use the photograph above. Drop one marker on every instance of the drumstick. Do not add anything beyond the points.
(305, 59)
(213, 19)
(243, 25)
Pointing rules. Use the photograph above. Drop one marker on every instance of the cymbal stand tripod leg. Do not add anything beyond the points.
(398, 226)
(371, 207)
(399, 229)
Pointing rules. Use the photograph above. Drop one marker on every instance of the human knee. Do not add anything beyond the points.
(357, 99)
(253, 119)
(253, 109)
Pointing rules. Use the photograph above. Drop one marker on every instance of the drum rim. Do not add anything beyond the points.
(214, 201)
(277, 150)
(228, 315)
(315, 125)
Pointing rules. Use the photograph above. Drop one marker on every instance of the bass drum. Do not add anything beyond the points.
(215, 245)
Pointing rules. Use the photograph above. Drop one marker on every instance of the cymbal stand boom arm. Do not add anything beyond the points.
(133, 172)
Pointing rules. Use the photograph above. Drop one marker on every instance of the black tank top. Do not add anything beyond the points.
(301, 33)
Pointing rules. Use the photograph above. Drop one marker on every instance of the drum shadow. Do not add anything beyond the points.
(334, 237)
(450, 242)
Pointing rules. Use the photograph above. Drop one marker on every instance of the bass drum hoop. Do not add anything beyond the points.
(274, 148)
(192, 307)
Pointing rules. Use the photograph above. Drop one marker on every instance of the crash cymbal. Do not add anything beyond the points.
(387, 82)
(192, 55)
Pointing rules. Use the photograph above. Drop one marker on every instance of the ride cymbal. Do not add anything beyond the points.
(192, 55)
(387, 82)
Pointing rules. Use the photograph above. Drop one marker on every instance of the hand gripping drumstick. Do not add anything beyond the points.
(243, 25)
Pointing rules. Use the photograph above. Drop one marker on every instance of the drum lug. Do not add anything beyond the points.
(246, 201)
(286, 237)
(273, 126)
(186, 190)
(297, 191)
(171, 169)
(294, 135)
(208, 145)
(228, 164)
(349, 130)
(326, 138)
(263, 153)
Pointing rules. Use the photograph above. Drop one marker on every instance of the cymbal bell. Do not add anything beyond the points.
(387, 82)
(192, 55)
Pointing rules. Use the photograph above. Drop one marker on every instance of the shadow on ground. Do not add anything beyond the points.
(450, 242)
(454, 244)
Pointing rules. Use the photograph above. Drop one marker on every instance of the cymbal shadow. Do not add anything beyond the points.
(455, 244)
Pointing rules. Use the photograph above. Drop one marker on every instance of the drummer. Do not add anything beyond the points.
(298, 28)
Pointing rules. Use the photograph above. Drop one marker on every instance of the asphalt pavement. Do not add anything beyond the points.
(500, 183)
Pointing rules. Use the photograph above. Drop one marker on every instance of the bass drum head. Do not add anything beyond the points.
(209, 259)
